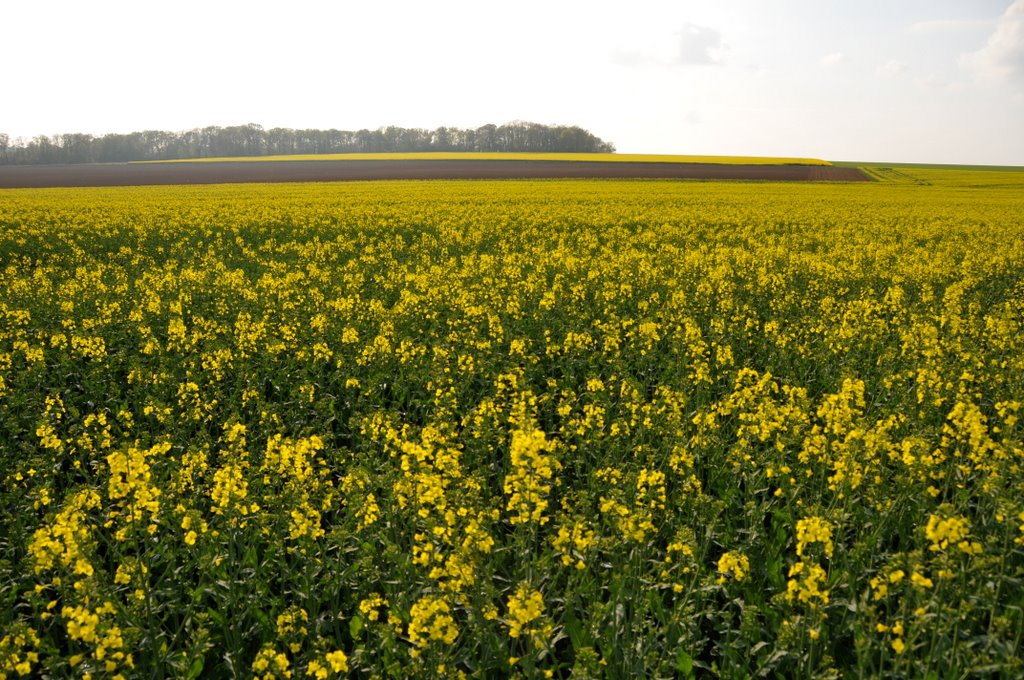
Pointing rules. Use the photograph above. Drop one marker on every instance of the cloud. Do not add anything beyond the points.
(893, 68)
(699, 45)
(1002, 57)
(832, 58)
(949, 25)
(934, 81)
(692, 45)
(631, 58)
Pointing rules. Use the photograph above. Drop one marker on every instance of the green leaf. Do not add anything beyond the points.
(217, 617)
(579, 637)
(196, 669)
(355, 626)
(657, 607)
(684, 662)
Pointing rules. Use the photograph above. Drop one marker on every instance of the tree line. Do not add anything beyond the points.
(254, 140)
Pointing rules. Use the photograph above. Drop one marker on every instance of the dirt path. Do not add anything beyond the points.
(132, 174)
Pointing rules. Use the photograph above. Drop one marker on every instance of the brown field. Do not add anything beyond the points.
(132, 174)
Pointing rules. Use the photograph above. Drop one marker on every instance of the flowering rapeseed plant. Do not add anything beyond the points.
(605, 429)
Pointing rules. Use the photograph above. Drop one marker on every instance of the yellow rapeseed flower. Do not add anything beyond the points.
(734, 564)
(525, 606)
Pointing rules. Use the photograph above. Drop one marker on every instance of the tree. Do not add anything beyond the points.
(441, 140)
(253, 140)
(486, 138)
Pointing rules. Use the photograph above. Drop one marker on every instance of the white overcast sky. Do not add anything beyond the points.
(887, 80)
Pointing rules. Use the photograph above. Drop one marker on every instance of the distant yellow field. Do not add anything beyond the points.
(447, 156)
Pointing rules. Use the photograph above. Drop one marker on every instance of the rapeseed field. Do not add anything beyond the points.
(511, 156)
(538, 429)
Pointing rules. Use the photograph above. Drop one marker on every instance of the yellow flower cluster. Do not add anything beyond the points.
(291, 625)
(946, 531)
(431, 619)
(573, 542)
(812, 530)
(530, 477)
(18, 653)
(525, 606)
(804, 584)
(338, 661)
(94, 629)
(67, 541)
(271, 664)
(230, 489)
(370, 606)
(732, 564)
(896, 632)
(131, 485)
(633, 511)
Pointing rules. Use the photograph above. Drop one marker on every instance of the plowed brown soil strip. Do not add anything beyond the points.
(136, 174)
